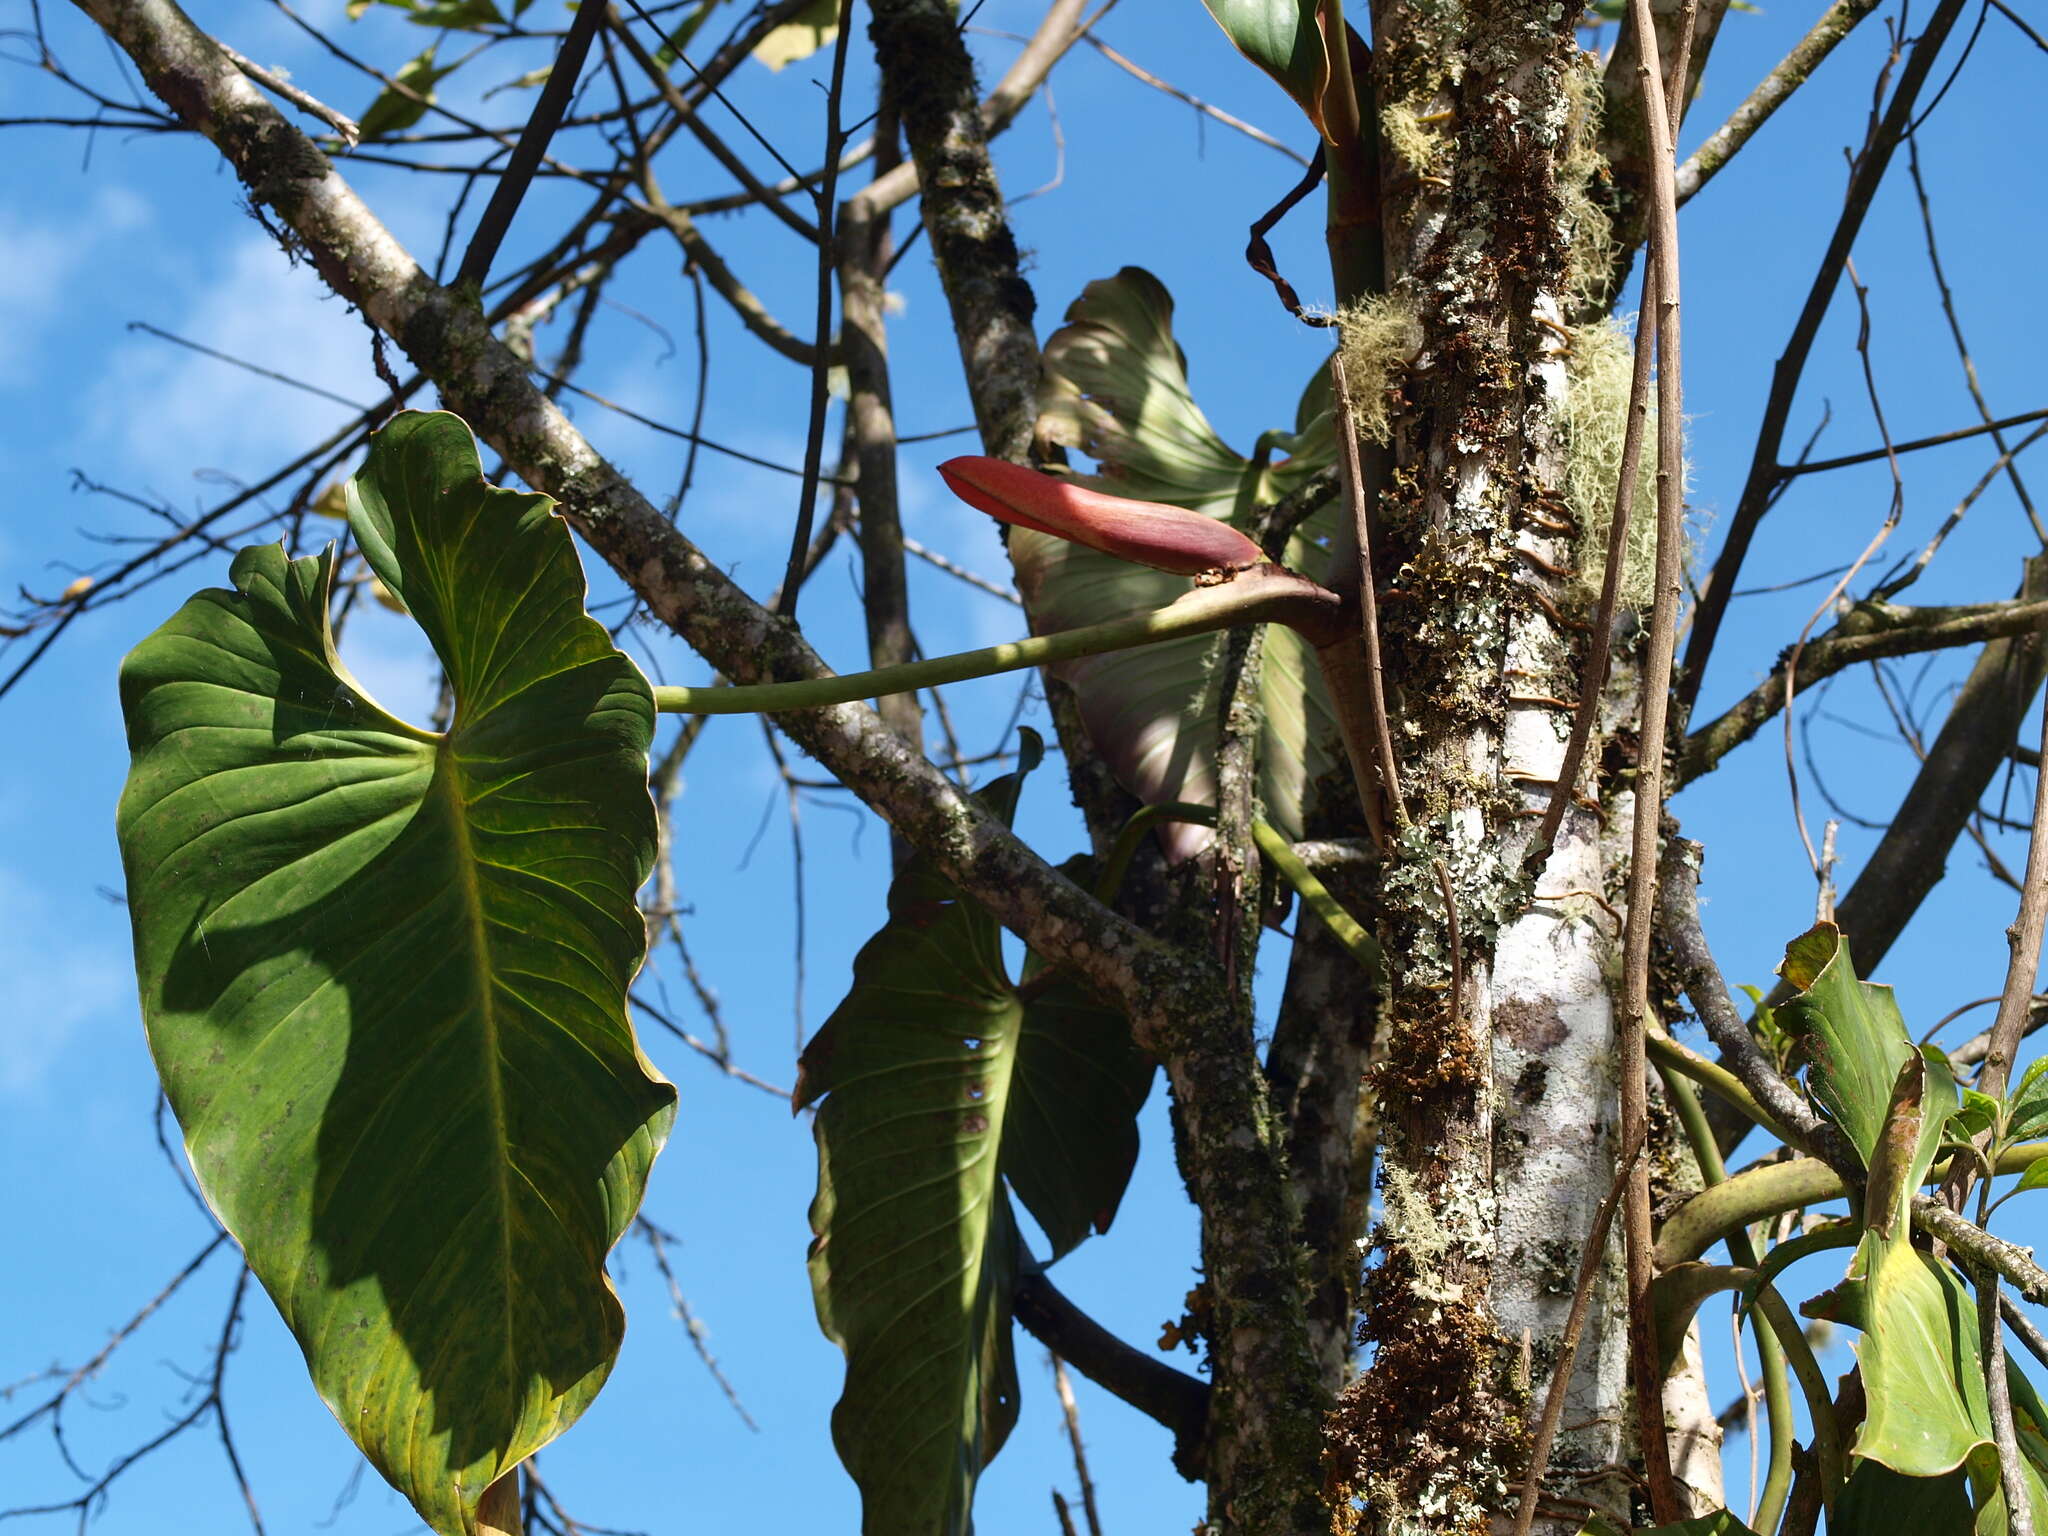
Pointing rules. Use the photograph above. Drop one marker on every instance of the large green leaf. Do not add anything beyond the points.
(1923, 1376)
(1922, 1371)
(1849, 1031)
(1281, 37)
(936, 1080)
(384, 971)
(1071, 1138)
(1116, 388)
(1876, 1501)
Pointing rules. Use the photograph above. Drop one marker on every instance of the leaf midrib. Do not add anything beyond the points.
(467, 864)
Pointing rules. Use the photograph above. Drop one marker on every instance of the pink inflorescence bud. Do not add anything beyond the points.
(1165, 538)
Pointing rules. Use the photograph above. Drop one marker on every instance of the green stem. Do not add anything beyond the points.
(1711, 1215)
(1820, 1407)
(1770, 1507)
(1711, 1075)
(1132, 833)
(1261, 595)
(1316, 896)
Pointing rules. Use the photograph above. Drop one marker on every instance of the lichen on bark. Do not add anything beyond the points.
(1496, 1090)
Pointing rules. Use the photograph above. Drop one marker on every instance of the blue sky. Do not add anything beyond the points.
(97, 234)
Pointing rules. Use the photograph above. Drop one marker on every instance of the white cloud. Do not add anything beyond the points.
(54, 984)
(171, 411)
(40, 260)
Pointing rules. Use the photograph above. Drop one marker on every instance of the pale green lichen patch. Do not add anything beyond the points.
(1593, 418)
(1581, 177)
(1380, 336)
(1420, 145)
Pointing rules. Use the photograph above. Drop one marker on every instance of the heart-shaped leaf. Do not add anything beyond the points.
(1116, 388)
(1849, 1031)
(384, 971)
(1071, 1136)
(934, 1079)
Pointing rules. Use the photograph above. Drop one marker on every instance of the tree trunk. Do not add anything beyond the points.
(1497, 1094)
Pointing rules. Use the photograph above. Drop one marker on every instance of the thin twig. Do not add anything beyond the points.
(2015, 1003)
(1382, 745)
(2012, 1470)
(1866, 634)
(2023, 1328)
(1955, 331)
(1893, 511)
(821, 364)
(657, 1244)
(1070, 1411)
(1909, 571)
(1793, 71)
(350, 131)
(548, 113)
(940, 562)
(1592, 1258)
(1766, 475)
(54, 1403)
(1207, 109)
(1913, 445)
(1600, 651)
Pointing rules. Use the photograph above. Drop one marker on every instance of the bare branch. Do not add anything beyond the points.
(1765, 477)
(1867, 633)
(1981, 1248)
(1660, 118)
(1940, 439)
(1147, 1383)
(864, 249)
(1793, 71)
(277, 85)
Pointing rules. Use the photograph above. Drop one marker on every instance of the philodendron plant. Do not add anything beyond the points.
(385, 970)
(1917, 1450)
(384, 974)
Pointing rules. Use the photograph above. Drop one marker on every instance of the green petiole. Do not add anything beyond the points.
(1264, 594)
(1364, 948)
